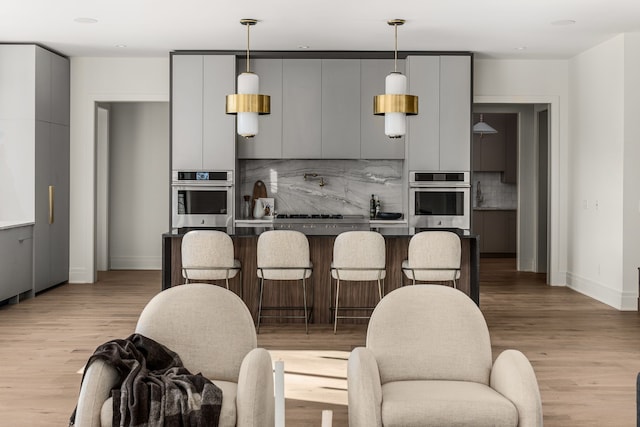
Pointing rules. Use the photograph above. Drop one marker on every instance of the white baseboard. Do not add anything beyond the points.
(136, 263)
(80, 275)
(625, 301)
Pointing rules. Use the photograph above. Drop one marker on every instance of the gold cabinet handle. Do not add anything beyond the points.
(51, 203)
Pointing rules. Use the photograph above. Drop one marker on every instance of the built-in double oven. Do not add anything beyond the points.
(439, 200)
(201, 199)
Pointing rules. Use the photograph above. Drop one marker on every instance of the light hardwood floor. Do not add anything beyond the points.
(586, 355)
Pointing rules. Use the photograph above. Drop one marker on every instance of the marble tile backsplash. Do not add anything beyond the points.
(347, 190)
(493, 192)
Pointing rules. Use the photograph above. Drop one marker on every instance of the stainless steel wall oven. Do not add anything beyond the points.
(439, 200)
(201, 199)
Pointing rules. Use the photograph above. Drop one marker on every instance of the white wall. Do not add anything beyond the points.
(596, 156)
(138, 184)
(101, 80)
(631, 177)
(537, 82)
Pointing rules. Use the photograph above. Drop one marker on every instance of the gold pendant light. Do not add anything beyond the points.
(395, 104)
(247, 104)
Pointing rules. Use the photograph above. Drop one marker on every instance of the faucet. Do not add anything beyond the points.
(315, 175)
(479, 195)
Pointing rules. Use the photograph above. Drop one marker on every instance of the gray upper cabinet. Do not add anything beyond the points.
(340, 109)
(60, 89)
(423, 74)
(202, 133)
(439, 138)
(374, 144)
(301, 108)
(186, 99)
(218, 128)
(455, 113)
(267, 144)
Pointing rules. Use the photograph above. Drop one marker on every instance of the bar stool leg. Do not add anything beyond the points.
(304, 295)
(260, 304)
(335, 321)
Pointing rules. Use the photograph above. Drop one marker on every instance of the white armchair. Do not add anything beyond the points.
(212, 331)
(427, 362)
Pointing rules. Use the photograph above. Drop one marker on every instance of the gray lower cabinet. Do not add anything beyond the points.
(202, 133)
(16, 261)
(267, 144)
(497, 230)
(301, 108)
(374, 144)
(439, 137)
(340, 108)
(51, 231)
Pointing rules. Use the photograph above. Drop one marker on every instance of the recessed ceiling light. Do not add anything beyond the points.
(121, 45)
(86, 20)
(303, 47)
(521, 48)
(563, 22)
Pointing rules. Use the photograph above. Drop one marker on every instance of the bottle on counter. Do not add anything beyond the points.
(246, 208)
(377, 206)
(372, 207)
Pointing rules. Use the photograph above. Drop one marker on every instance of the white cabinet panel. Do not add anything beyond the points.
(423, 74)
(340, 109)
(374, 144)
(455, 113)
(267, 144)
(301, 108)
(17, 81)
(186, 101)
(218, 135)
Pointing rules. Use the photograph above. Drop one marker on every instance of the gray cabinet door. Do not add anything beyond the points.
(267, 144)
(186, 98)
(59, 229)
(42, 229)
(340, 108)
(455, 113)
(16, 257)
(60, 89)
(423, 138)
(301, 109)
(218, 134)
(43, 84)
(374, 144)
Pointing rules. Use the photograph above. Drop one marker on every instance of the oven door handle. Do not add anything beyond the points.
(419, 185)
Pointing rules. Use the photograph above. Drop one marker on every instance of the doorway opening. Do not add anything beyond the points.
(132, 173)
(511, 184)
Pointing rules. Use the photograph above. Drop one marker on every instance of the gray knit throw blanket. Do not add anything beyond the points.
(156, 389)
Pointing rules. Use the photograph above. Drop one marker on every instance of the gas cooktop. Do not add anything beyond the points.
(309, 216)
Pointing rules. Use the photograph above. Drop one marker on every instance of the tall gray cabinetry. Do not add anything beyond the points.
(439, 137)
(51, 231)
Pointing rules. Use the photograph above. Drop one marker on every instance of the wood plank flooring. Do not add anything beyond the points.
(586, 355)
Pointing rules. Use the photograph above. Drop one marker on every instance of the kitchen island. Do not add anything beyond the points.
(353, 294)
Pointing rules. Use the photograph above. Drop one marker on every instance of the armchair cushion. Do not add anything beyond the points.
(445, 403)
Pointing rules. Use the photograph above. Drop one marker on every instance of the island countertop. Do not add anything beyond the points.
(245, 241)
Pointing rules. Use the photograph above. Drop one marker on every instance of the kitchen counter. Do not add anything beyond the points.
(6, 225)
(321, 250)
(489, 208)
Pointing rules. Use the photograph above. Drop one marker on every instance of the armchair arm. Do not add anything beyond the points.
(364, 389)
(97, 383)
(513, 377)
(255, 400)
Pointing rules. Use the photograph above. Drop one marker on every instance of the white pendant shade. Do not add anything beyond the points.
(483, 128)
(395, 124)
(248, 83)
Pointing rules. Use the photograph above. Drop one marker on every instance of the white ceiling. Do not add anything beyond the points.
(490, 28)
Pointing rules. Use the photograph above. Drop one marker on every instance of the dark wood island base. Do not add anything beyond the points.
(287, 294)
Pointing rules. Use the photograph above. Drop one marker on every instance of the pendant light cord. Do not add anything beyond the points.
(395, 56)
(248, 28)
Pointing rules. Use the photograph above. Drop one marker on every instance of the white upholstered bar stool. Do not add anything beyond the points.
(284, 255)
(434, 256)
(358, 256)
(208, 255)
